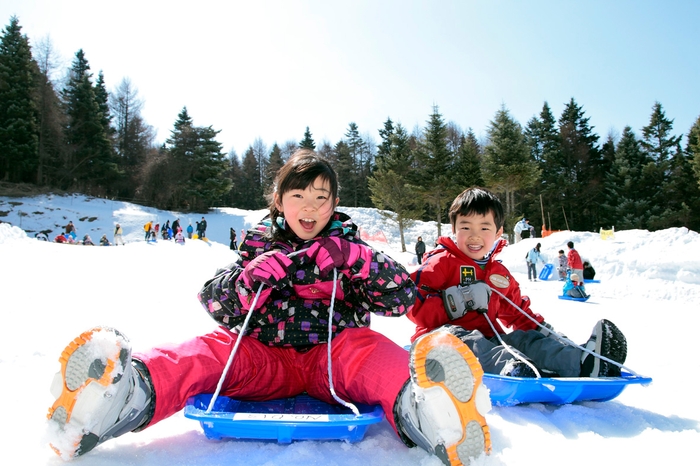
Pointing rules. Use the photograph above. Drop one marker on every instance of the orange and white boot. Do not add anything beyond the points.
(442, 406)
(99, 393)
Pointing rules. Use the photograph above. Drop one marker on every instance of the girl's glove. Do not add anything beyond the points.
(272, 268)
(334, 252)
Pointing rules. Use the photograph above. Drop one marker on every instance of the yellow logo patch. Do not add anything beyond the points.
(467, 275)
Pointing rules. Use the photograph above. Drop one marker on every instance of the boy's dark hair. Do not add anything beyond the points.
(479, 201)
(570, 244)
(561, 251)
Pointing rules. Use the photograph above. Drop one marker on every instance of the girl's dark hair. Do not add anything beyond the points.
(479, 201)
(301, 170)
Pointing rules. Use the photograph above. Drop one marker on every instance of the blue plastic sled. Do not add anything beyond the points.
(510, 391)
(570, 298)
(590, 280)
(546, 272)
(284, 420)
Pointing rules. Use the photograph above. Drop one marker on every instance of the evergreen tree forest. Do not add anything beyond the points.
(79, 134)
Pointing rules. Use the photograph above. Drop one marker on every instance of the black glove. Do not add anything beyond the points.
(460, 299)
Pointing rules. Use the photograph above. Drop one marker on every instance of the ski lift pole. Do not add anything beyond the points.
(565, 220)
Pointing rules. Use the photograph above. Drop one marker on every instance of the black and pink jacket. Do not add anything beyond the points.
(298, 316)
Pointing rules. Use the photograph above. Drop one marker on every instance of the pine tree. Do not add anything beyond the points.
(507, 164)
(578, 167)
(275, 162)
(661, 146)
(308, 141)
(91, 162)
(438, 188)
(207, 183)
(19, 142)
(693, 148)
(626, 197)
(391, 190)
(361, 167)
(467, 170)
(251, 185)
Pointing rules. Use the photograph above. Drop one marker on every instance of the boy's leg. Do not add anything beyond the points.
(545, 352)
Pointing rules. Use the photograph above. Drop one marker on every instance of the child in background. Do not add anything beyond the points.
(574, 287)
(286, 276)
(463, 286)
(562, 265)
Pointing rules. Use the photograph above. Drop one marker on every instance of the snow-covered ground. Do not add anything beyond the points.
(49, 293)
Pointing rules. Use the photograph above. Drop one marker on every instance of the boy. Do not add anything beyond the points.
(460, 283)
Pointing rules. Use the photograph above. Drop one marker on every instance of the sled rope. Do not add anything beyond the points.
(560, 337)
(233, 351)
(348, 405)
(507, 347)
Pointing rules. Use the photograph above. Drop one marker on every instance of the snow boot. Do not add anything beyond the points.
(441, 407)
(100, 393)
(606, 340)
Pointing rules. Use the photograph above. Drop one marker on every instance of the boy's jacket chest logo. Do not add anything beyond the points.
(467, 275)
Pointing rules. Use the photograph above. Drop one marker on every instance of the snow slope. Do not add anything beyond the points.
(49, 293)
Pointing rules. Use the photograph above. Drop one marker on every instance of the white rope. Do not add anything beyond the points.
(234, 350)
(348, 405)
(507, 347)
(561, 337)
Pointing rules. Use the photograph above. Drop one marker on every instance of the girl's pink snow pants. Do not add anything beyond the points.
(367, 368)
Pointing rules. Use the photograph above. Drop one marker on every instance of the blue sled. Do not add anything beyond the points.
(510, 391)
(570, 298)
(297, 418)
(590, 280)
(546, 272)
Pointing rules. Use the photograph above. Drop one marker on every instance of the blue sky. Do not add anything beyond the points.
(268, 69)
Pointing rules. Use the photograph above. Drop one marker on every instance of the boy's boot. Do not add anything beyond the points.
(606, 340)
(441, 408)
(100, 393)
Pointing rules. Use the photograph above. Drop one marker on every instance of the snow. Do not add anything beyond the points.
(50, 293)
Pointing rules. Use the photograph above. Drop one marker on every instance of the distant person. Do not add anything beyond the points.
(166, 227)
(562, 265)
(574, 287)
(532, 257)
(87, 241)
(179, 237)
(148, 228)
(420, 250)
(60, 238)
(104, 241)
(202, 228)
(176, 226)
(190, 230)
(573, 260)
(70, 229)
(41, 236)
(588, 271)
(233, 246)
(118, 235)
(523, 229)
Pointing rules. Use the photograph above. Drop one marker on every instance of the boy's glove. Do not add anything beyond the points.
(334, 252)
(460, 299)
(272, 268)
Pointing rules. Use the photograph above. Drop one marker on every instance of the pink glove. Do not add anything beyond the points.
(272, 268)
(334, 252)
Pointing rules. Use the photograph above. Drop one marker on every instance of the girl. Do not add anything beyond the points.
(290, 265)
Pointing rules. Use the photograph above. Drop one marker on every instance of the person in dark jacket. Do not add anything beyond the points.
(420, 249)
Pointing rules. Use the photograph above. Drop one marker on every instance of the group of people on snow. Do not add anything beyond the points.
(302, 253)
